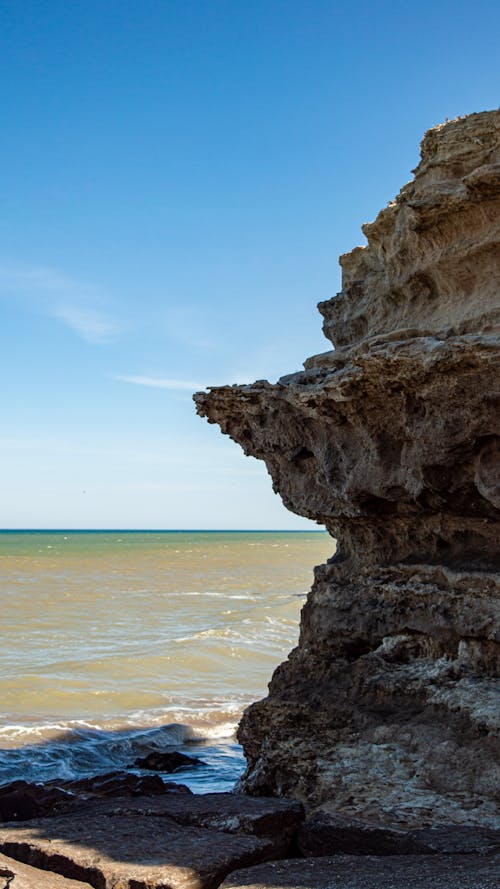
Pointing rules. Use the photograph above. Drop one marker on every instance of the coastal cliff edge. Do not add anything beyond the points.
(388, 708)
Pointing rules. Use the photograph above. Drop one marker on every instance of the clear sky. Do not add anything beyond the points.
(178, 180)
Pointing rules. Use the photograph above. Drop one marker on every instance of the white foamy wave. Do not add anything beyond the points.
(208, 594)
(219, 732)
(23, 733)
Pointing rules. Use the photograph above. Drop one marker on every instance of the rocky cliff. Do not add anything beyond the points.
(389, 707)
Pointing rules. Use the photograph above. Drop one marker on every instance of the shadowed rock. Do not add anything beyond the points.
(21, 801)
(370, 872)
(324, 834)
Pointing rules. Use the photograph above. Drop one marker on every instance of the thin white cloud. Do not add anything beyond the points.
(36, 278)
(160, 383)
(74, 303)
(90, 325)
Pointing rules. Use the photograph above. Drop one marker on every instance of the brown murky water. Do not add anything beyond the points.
(115, 642)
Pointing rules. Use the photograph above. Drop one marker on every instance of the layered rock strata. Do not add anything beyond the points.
(389, 708)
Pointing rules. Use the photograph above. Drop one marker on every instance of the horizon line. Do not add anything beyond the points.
(163, 530)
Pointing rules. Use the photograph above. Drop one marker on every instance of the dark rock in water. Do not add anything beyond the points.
(139, 843)
(121, 784)
(372, 872)
(22, 801)
(166, 762)
(325, 834)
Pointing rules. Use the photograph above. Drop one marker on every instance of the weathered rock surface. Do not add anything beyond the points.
(388, 710)
(14, 875)
(277, 819)
(370, 872)
(170, 841)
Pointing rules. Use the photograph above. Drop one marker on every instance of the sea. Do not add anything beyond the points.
(120, 643)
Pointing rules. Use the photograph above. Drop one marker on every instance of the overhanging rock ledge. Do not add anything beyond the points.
(388, 709)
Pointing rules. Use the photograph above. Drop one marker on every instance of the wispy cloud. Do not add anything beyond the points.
(74, 303)
(160, 382)
(90, 325)
(38, 278)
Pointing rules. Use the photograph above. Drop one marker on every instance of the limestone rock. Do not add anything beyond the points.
(388, 710)
(430, 265)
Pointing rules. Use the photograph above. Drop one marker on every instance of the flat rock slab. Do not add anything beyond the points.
(373, 872)
(226, 812)
(127, 851)
(21, 876)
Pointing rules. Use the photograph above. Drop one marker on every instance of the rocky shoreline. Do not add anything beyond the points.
(110, 834)
(374, 761)
(388, 709)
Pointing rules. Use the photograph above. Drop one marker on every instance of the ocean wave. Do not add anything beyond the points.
(77, 749)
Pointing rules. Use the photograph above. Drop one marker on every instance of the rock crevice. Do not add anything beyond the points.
(387, 708)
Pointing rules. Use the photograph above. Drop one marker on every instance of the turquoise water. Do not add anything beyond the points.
(116, 643)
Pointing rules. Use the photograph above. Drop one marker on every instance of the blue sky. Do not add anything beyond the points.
(178, 180)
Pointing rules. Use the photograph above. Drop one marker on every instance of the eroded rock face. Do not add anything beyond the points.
(389, 707)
